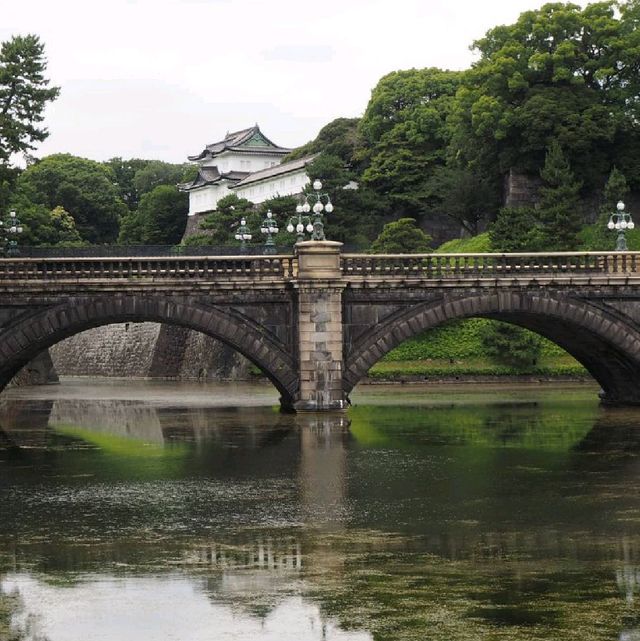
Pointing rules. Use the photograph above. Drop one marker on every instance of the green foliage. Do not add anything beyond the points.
(554, 224)
(402, 237)
(511, 345)
(219, 226)
(160, 219)
(457, 341)
(82, 187)
(598, 237)
(405, 134)
(559, 199)
(24, 94)
(339, 138)
(156, 172)
(516, 229)
(559, 73)
(358, 214)
(44, 227)
(473, 245)
(466, 196)
(124, 172)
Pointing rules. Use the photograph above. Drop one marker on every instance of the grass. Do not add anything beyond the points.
(548, 365)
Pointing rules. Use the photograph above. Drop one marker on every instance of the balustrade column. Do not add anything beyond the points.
(320, 289)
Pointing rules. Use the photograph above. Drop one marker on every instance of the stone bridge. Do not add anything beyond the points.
(316, 321)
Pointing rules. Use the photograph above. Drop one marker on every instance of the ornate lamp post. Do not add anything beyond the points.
(321, 202)
(299, 223)
(620, 221)
(10, 227)
(243, 234)
(269, 228)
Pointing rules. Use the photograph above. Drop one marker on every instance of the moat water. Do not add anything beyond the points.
(160, 511)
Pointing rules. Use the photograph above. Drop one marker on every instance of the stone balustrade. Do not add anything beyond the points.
(351, 267)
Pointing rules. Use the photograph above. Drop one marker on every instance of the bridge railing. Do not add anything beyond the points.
(214, 268)
(438, 266)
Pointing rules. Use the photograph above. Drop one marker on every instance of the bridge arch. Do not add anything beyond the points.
(607, 345)
(30, 334)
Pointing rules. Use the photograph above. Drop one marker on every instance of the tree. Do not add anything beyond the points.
(82, 187)
(553, 224)
(405, 134)
(160, 219)
(402, 237)
(516, 229)
(338, 138)
(359, 213)
(45, 227)
(511, 345)
(157, 172)
(219, 227)
(558, 209)
(559, 73)
(124, 172)
(24, 94)
(598, 237)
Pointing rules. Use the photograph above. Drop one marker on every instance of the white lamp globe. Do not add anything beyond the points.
(328, 208)
(623, 224)
(620, 206)
(618, 226)
(309, 227)
(20, 228)
(611, 224)
(318, 207)
(290, 228)
(299, 228)
(317, 185)
(299, 209)
(306, 208)
(630, 225)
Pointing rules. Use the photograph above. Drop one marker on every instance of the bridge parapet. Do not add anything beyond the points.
(154, 269)
(492, 266)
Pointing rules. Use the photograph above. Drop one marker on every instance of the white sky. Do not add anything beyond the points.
(162, 78)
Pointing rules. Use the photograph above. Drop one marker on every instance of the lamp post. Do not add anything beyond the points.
(299, 223)
(10, 227)
(269, 228)
(302, 221)
(620, 221)
(243, 234)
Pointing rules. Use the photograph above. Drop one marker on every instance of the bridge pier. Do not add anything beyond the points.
(319, 294)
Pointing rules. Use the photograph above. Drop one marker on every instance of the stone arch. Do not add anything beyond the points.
(608, 347)
(27, 336)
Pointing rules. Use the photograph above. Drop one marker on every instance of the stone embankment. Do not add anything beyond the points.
(147, 350)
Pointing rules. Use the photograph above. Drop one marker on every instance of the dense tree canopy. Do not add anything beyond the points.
(24, 94)
(84, 188)
(401, 237)
(160, 219)
(559, 73)
(405, 135)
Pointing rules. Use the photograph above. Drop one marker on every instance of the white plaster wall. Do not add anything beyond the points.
(287, 185)
(206, 198)
(230, 161)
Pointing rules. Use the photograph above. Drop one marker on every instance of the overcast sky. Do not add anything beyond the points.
(162, 78)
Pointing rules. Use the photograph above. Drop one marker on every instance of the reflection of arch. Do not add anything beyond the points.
(29, 336)
(609, 350)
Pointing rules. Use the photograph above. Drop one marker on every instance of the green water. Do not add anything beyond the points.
(157, 512)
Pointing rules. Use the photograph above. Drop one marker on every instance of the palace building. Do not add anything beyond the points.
(248, 164)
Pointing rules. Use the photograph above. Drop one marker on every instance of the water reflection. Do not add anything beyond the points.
(432, 520)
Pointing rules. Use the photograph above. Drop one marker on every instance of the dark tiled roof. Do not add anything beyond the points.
(211, 175)
(278, 170)
(235, 140)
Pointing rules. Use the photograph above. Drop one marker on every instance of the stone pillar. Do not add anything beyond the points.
(320, 327)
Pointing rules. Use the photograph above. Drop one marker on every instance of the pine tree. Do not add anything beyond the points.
(558, 209)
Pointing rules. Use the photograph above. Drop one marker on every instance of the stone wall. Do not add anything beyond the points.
(147, 350)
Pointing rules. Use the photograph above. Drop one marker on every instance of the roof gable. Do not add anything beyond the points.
(239, 140)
